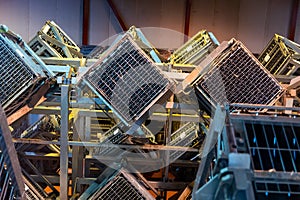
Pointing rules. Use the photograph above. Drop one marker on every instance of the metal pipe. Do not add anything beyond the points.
(293, 20)
(117, 15)
(86, 22)
(188, 5)
(64, 142)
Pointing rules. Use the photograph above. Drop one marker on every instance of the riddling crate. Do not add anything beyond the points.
(195, 49)
(127, 80)
(232, 74)
(281, 56)
(52, 41)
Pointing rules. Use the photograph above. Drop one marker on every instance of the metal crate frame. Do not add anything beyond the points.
(138, 36)
(281, 56)
(112, 136)
(18, 71)
(185, 136)
(195, 49)
(150, 86)
(33, 191)
(232, 74)
(115, 136)
(52, 41)
(273, 145)
(53, 30)
(47, 123)
(111, 184)
(141, 39)
(42, 48)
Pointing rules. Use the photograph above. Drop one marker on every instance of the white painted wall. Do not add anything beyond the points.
(254, 22)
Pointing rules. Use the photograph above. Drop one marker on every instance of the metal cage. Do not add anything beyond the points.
(127, 80)
(185, 136)
(231, 74)
(273, 145)
(112, 136)
(195, 49)
(118, 185)
(19, 73)
(281, 56)
(33, 191)
(52, 41)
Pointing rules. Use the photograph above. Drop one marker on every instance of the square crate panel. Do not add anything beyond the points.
(275, 156)
(118, 185)
(185, 136)
(18, 72)
(127, 80)
(281, 56)
(195, 50)
(234, 75)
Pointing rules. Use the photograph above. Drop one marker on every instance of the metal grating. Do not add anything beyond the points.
(120, 189)
(195, 50)
(278, 56)
(117, 136)
(112, 136)
(236, 76)
(277, 147)
(33, 191)
(185, 136)
(122, 186)
(128, 80)
(275, 154)
(16, 72)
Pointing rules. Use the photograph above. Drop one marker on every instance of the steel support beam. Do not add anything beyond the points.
(39, 174)
(168, 185)
(64, 142)
(85, 22)
(12, 154)
(293, 20)
(77, 153)
(97, 144)
(215, 130)
(188, 5)
(117, 15)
